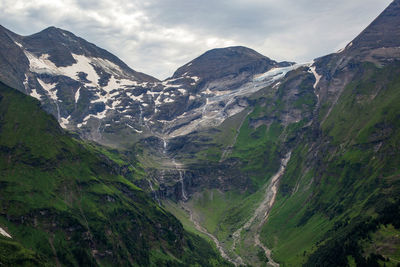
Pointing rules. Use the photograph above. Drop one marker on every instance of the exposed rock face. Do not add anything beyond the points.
(383, 32)
(13, 63)
(93, 92)
(232, 65)
(78, 82)
(195, 178)
(379, 44)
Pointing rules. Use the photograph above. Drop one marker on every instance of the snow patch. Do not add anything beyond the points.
(4, 233)
(216, 93)
(211, 112)
(276, 85)
(35, 94)
(83, 64)
(115, 83)
(168, 100)
(20, 45)
(126, 82)
(182, 91)
(340, 50)
(195, 78)
(25, 82)
(65, 121)
(157, 103)
(111, 85)
(316, 75)
(77, 94)
(115, 104)
(136, 130)
(138, 98)
(349, 45)
(107, 65)
(173, 85)
(41, 64)
(50, 89)
(275, 74)
(153, 94)
(100, 115)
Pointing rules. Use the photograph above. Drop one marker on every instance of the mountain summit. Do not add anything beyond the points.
(383, 32)
(220, 62)
(91, 91)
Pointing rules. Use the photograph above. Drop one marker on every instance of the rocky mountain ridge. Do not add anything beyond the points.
(90, 90)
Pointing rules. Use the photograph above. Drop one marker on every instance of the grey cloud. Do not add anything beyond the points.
(156, 37)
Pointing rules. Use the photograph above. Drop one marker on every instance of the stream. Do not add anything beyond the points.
(260, 216)
(253, 225)
(236, 262)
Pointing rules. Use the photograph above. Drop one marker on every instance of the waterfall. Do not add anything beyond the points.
(58, 111)
(154, 193)
(181, 176)
(141, 115)
(164, 146)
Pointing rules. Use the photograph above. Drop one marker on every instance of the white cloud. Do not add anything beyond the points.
(156, 37)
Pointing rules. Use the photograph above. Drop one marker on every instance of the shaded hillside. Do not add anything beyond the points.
(64, 203)
(338, 201)
(343, 181)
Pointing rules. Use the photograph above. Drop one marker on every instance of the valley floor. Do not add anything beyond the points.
(243, 246)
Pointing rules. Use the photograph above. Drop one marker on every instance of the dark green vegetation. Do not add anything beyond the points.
(339, 198)
(66, 202)
(277, 116)
(257, 140)
(338, 202)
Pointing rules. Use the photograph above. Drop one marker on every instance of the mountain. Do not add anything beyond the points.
(341, 187)
(74, 79)
(275, 163)
(382, 33)
(69, 203)
(217, 83)
(94, 93)
(320, 143)
(232, 64)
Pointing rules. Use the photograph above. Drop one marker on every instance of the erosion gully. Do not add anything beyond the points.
(252, 227)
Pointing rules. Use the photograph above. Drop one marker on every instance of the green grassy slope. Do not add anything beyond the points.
(261, 142)
(266, 134)
(65, 203)
(343, 184)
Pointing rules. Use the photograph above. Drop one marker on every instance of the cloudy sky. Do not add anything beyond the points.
(157, 36)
